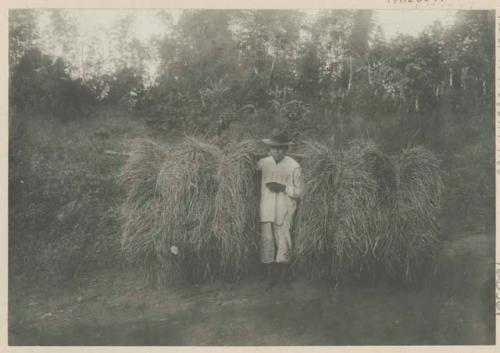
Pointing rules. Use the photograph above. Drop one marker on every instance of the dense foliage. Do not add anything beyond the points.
(332, 76)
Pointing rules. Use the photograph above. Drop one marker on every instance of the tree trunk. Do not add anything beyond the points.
(451, 76)
(350, 74)
(272, 69)
(369, 71)
(463, 77)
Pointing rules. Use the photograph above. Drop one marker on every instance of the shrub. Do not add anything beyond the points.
(63, 213)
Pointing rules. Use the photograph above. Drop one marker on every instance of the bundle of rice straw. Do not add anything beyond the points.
(367, 213)
(191, 208)
(409, 241)
(333, 225)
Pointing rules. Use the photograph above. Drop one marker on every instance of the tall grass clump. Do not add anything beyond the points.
(366, 213)
(333, 235)
(409, 241)
(191, 208)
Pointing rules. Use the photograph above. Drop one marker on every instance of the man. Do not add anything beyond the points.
(281, 187)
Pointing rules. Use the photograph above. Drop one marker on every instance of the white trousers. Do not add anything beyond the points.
(275, 242)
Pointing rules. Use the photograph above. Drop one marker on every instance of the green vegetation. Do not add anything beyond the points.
(111, 308)
(236, 75)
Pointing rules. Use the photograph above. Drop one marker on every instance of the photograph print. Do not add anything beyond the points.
(195, 177)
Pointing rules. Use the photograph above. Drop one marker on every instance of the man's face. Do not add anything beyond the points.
(278, 152)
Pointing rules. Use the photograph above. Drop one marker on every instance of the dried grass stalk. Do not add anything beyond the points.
(366, 213)
(191, 209)
(409, 234)
(333, 229)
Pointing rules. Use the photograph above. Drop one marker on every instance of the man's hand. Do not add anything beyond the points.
(276, 187)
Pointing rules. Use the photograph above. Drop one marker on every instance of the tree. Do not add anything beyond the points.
(60, 38)
(23, 33)
(309, 69)
(268, 49)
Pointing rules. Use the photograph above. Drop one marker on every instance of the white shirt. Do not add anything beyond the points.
(274, 207)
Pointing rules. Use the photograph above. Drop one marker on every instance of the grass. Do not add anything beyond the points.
(191, 209)
(368, 214)
(115, 308)
(410, 236)
(333, 233)
(64, 200)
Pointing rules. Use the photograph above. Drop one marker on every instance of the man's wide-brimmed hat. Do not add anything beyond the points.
(278, 138)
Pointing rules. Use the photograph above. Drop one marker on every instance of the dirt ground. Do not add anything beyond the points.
(456, 306)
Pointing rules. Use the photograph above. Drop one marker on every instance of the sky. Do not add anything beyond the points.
(411, 22)
(147, 24)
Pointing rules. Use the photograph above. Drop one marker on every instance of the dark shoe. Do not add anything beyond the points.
(285, 278)
(271, 276)
(283, 272)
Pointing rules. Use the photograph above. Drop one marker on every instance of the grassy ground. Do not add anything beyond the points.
(64, 171)
(454, 307)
